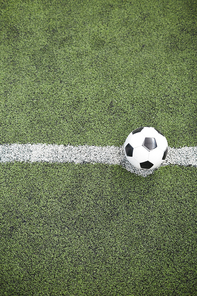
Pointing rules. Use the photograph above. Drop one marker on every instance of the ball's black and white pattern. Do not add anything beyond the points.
(146, 148)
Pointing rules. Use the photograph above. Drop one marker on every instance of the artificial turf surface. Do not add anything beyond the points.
(97, 230)
(89, 72)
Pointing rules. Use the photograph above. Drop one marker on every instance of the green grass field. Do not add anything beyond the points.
(89, 72)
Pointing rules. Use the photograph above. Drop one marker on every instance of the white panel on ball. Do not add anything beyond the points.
(162, 142)
(135, 163)
(149, 132)
(135, 140)
(140, 154)
(155, 156)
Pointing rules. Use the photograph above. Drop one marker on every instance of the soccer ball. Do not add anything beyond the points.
(146, 148)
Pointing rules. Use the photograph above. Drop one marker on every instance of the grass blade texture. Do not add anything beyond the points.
(88, 73)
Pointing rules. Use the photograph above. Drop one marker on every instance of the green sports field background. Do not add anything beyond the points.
(90, 72)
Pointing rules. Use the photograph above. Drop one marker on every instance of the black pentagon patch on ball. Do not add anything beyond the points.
(165, 154)
(146, 165)
(150, 143)
(129, 150)
(137, 130)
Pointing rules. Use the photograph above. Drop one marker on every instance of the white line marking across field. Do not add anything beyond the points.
(185, 156)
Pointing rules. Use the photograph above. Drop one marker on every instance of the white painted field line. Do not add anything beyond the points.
(186, 156)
